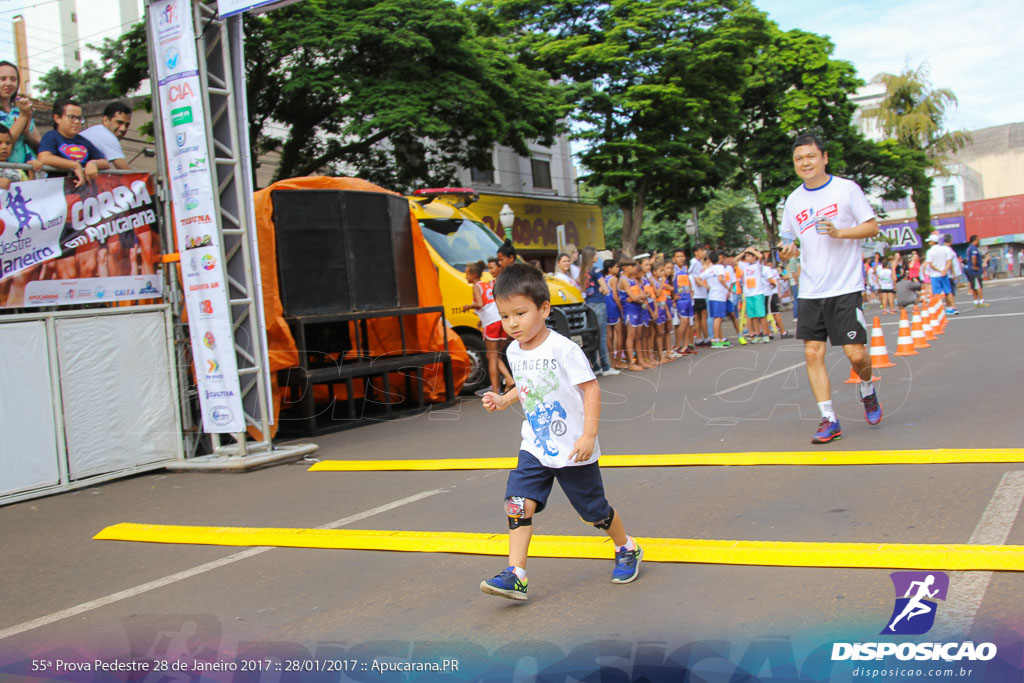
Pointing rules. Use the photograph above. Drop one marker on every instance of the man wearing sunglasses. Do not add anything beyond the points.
(64, 148)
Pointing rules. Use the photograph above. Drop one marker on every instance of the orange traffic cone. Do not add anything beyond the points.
(917, 331)
(926, 323)
(855, 379)
(879, 353)
(939, 316)
(905, 340)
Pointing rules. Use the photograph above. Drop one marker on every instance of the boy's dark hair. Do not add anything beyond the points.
(476, 268)
(608, 264)
(973, 237)
(522, 279)
(60, 105)
(507, 249)
(4, 129)
(116, 107)
(808, 139)
(493, 259)
(714, 256)
(679, 250)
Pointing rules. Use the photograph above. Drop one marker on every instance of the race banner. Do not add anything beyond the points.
(183, 116)
(62, 245)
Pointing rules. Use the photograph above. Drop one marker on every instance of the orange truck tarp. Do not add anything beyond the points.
(423, 332)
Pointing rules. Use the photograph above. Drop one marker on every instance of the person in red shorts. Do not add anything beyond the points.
(494, 336)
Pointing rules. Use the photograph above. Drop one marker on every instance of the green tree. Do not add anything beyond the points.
(87, 84)
(914, 114)
(656, 87)
(730, 220)
(400, 92)
(795, 86)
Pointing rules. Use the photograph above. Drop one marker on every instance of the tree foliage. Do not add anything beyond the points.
(88, 84)
(400, 92)
(656, 87)
(794, 86)
(913, 114)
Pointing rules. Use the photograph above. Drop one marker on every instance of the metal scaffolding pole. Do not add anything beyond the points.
(222, 78)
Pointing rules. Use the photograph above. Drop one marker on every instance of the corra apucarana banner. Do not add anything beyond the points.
(62, 245)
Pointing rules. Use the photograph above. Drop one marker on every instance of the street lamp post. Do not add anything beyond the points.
(507, 217)
(691, 230)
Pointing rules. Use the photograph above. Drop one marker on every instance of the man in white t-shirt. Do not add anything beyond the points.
(830, 216)
(938, 266)
(107, 135)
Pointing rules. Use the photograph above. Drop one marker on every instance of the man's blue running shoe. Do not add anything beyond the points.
(627, 565)
(827, 431)
(505, 585)
(872, 408)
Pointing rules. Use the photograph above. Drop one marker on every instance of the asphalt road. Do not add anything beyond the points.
(65, 596)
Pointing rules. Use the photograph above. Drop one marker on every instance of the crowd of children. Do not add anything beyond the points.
(658, 308)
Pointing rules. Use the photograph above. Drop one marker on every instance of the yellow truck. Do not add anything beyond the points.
(455, 237)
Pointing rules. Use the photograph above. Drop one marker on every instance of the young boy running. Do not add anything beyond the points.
(562, 404)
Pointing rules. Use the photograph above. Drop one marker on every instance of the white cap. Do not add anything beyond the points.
(934, 237)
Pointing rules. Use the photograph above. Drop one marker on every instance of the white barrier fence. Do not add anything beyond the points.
(85, 396)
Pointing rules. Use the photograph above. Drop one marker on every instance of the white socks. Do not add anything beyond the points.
(826, 410)
(866, 389)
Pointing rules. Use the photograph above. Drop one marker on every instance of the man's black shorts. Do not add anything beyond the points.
(973, 279)
(774, 304)
(838, 319)
(700, 305)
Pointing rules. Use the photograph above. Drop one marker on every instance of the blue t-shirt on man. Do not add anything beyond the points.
(973, 261)
(74, 149)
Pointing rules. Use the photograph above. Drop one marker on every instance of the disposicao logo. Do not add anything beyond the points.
(916, 592)
(914, 613)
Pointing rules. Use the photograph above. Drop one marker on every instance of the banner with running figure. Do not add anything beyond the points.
(63, 245)
(189, 167)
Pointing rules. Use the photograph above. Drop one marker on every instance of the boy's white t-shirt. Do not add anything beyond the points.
(547, 379)
(695, 269)
(753, 279)
(716, 290)
(828, 267)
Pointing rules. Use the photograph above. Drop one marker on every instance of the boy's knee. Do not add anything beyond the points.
(604, 524)
(518, 515)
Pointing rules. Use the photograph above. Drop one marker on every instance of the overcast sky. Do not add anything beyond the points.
(974, 48)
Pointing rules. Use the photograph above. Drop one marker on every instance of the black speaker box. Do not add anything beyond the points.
(340, 251)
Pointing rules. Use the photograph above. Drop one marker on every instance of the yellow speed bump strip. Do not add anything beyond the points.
(920, 457)
(784, 554)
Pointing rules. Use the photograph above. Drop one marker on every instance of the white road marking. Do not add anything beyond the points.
(195, 571)
(759, 379)
(967, 589)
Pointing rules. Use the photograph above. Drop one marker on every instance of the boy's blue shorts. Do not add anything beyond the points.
(717, 309)
(581, 484)
(684, 307)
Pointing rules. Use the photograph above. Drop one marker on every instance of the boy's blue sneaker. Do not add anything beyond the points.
(505, 585)
(627, 565)
(827, 431)
(872, 408)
